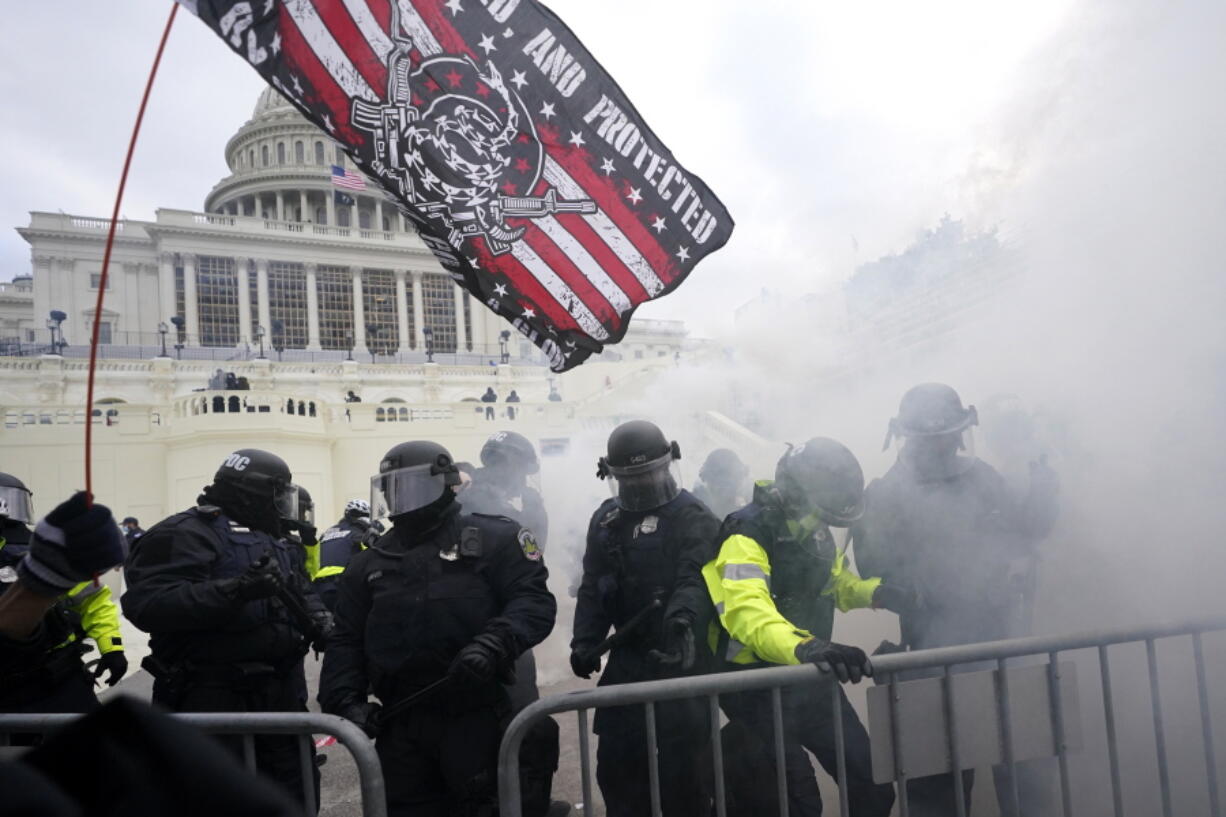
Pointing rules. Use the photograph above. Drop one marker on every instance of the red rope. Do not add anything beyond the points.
(106, 261)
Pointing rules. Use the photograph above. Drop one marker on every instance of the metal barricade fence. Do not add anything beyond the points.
(918, 717)
(250, 724)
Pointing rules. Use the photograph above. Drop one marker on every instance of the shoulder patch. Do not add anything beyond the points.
(527, 543)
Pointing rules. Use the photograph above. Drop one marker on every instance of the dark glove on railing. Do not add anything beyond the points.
(70, 545)
(583, 663)
(846, 662)
(365, 715)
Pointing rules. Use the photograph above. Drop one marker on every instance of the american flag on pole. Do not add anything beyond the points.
(343, 177)
(523, 165)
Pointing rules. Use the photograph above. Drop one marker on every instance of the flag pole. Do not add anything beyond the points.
(106, 261)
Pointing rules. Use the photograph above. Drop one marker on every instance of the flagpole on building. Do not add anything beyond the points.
(106, 259)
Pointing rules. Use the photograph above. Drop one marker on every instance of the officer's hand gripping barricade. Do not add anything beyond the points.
(624, 632)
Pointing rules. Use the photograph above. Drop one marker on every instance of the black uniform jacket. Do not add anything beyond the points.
(408, 604)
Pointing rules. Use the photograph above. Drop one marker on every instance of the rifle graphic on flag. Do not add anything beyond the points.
(522, 164)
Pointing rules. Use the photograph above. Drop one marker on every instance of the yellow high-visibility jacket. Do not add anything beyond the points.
(776, 582)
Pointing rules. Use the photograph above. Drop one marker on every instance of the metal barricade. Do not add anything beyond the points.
(250, 724)
(938, 711)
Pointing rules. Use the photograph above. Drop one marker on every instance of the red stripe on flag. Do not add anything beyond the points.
(605, 192)
(353, 42)
(608, 260)
(299, 57)
(527, 287)
(382, 10)
(433, 16)
(579, 283)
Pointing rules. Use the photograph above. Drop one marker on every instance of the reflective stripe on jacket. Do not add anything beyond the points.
(99, 614)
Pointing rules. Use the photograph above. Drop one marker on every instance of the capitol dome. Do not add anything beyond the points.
(281, 171)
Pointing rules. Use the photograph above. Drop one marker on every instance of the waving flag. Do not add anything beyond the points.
(348, 179)
(523, 165)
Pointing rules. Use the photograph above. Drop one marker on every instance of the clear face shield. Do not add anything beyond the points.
(16, 504)
(285, 500)
(647, 485)
(406, 489)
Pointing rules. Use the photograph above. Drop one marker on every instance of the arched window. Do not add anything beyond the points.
(301, 409)
(299, 152)
(289, 406)
(404, 415)
(340, 156)
(342, 217)
(251, 157)
(219, 404)
(387, 225)
(380, 415)
(280, 153)
(235, 406)
(264, 155)
(311, 408)
(321, 215)
(364, 219)
(319, 153)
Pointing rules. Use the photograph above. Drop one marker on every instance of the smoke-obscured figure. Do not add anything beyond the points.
(641, 575)
(210, 586)
(431, 618)
(723, 482)
(501, 487)
(943, 522)
(775, 584)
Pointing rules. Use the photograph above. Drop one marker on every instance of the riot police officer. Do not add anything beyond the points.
(432, 618)
(40, 655)
(645, 548)
(339, 544)
(209, 585)
(942, 522)
(302, 531)
(775, 584)
(722, 483)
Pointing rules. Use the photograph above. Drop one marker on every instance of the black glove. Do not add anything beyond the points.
(259, 581)
(896, 598)
(114, 662)
(70, 545)
(480, 660)
(847, 663)
(365, 715)
(678, 644)
(583, 663)
(325, 625)
(309, 534)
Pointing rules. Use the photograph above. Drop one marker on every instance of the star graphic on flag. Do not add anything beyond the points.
(634, 195)
(607, 166)
(658, 225)
(431, 85)
(500, 289)
(576, 138)
(522, 165)
(275, 45)
(683, 254)
(508, 188)
(297, 85)
(529, 313)
(455, 7)
(487, 44)
(328, 124)
(547, 110)
(519, 80)
(454, 78)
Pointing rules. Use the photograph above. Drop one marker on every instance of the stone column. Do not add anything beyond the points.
(261, 294)
(280, 206)
(330, 204)
(419, 319)
(402, 312)
(312, 309)
(378, 225)
(478, 321)
(191, 306)
(460, 323)
(166, 286)
(353, 214)
(243, 265)
(359, 312)
(304, 207)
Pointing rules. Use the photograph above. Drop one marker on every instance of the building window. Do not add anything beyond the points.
(251, 158)
(104, 333)
(438, 309)
(287, 303)
(30, 336)
(299, 153)
(321, 215)
(180, 297)
(253, 298)
(342, 215)
(280, 153)
(217, 300)
(335, 288)
(95, 278)
(319, 153)
(468, 322)
(340, 157)
(264, 155)
(364, 219)
(379, 305)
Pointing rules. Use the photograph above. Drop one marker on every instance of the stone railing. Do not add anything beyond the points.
(255, 224)
(205, 403)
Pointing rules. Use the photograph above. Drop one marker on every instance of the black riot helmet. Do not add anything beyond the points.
(306, 507)
(510, 451)
(255, 487)
(821, 475)
(414, 479)
(937, 430)
(15, 500)
(723, 467)
(640, 461)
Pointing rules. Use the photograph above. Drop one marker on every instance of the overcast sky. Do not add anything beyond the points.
(833, 131)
